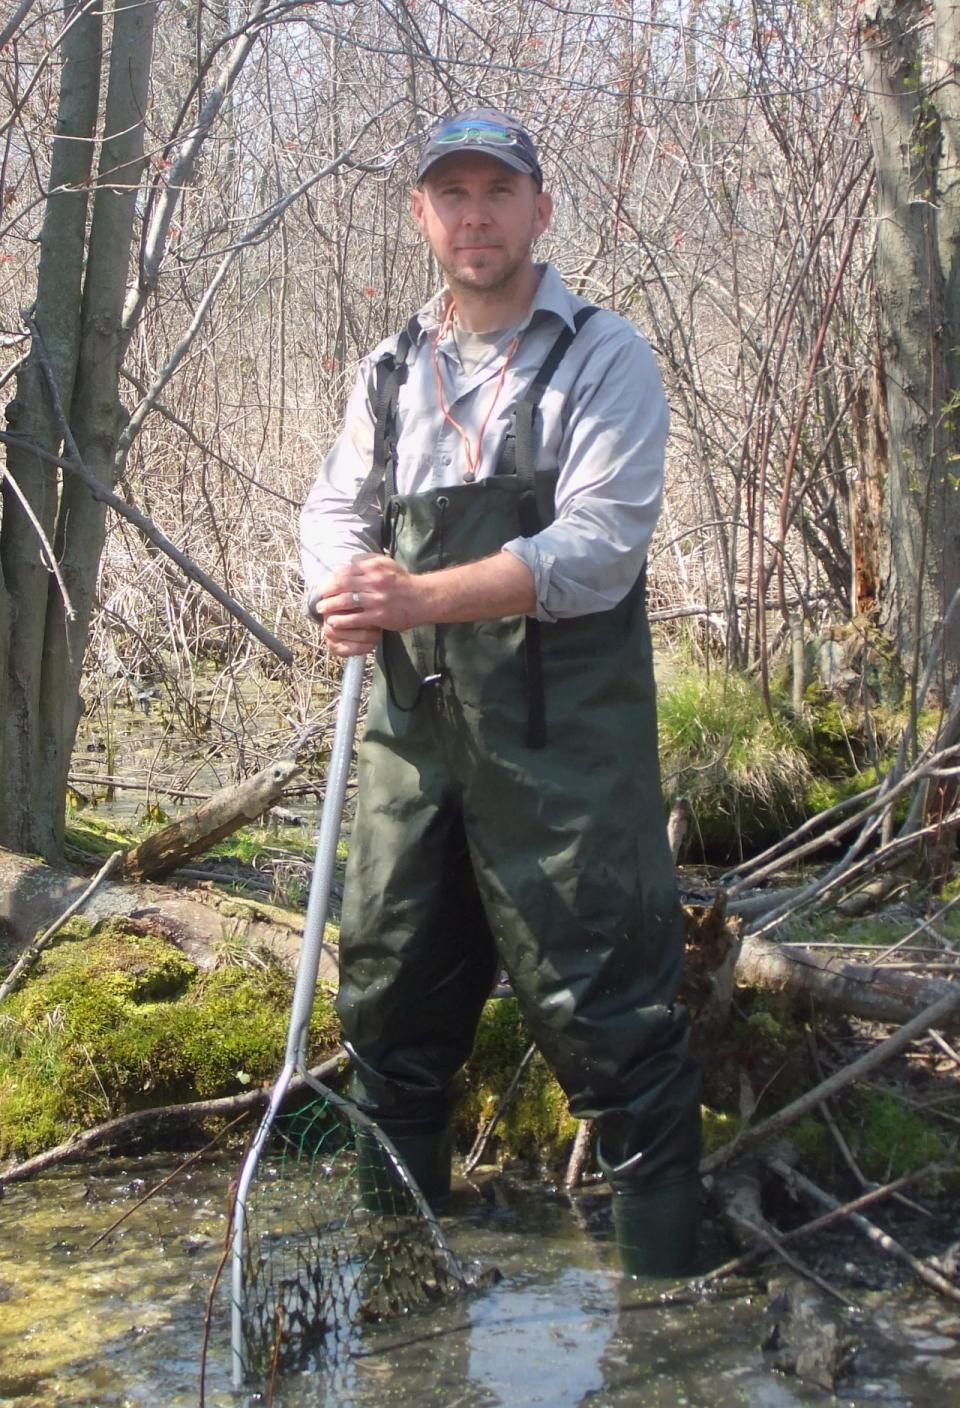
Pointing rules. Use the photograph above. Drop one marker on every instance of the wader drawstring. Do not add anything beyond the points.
(395, 513)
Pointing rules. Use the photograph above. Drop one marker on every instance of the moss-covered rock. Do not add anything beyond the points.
(115, 1020)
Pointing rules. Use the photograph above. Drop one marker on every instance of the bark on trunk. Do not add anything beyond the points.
(96, 418)
(25, 576)
(912, 103)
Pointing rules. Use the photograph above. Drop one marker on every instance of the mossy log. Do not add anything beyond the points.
(201, 922)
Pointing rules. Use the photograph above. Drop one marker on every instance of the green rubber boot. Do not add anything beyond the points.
(427, 1157)
(656, 1228)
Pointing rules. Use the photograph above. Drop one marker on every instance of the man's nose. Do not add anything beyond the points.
(476, 212)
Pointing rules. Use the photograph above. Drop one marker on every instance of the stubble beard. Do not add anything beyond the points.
(487, 280)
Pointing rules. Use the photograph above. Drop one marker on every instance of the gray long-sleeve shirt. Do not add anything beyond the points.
(603, 424)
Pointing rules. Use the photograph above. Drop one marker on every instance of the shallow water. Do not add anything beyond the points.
(121, 1326)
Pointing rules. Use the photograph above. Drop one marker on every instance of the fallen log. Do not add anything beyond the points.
(33, 895)
(219, 816)
(837, 985)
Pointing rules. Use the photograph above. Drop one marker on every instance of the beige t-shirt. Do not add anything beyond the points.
(473, 348)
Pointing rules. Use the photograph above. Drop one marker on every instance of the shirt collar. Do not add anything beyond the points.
(552, 298)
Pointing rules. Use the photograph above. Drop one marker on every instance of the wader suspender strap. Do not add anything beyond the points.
(525, 461)
(390, 374)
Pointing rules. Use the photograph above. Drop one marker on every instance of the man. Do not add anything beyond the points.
(483, 523)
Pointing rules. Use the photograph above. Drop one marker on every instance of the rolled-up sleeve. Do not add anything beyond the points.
(332, 529)
(610, 482)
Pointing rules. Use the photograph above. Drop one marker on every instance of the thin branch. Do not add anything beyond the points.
(927, 1273)
(158, 1187)
(48, 552)
(76, 465)
(825, 1220)
(930, 1017)
(483, 1138)
(253, 236)
(115, 1130)
(30, 956)
(14, 22)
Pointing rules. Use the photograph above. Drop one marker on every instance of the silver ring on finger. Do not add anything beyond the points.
(355, 598)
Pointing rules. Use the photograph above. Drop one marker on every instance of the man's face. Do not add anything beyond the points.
(480, 218)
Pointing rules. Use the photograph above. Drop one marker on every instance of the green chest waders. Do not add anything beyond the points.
(510, 812)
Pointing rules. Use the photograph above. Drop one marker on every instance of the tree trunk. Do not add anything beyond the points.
(24, 576)
(913, 99)
(96, 417)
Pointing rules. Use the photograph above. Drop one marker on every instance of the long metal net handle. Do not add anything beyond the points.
(307, 970)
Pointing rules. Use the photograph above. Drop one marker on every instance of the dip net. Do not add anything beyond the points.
(329, 1230)
(337, 1237)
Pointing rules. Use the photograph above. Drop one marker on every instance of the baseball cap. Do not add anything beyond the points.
(482, 130)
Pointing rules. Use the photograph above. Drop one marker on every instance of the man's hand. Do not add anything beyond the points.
(373, 594)
(370, 595)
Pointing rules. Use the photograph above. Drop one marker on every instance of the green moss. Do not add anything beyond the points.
(889, 1138)
(537, 1125)
(97, 838)
(719, 1127)
(812, 1140)
(251, 844)
(119, 1021)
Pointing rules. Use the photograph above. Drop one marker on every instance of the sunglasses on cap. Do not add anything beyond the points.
(480, 132)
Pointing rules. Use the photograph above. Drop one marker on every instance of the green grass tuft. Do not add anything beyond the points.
(744, 774)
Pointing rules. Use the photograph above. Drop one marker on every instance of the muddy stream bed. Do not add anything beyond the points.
(121, 1326)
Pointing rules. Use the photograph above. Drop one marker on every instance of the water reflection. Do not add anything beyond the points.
(542, 1342)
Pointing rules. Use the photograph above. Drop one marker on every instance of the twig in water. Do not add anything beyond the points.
(483, 1138)
(164, 1181)
(775, 1244)
(818, 1224)
(927, 1273)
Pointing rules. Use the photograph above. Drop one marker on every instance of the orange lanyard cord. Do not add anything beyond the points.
(472, 456)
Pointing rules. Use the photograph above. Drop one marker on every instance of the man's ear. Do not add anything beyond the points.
(544, 212)
(416, 205)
